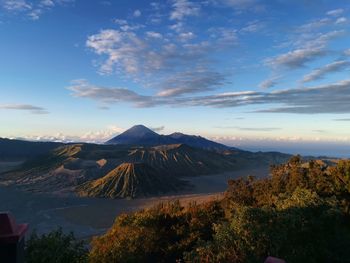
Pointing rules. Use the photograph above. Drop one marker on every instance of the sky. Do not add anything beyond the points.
(260, 75)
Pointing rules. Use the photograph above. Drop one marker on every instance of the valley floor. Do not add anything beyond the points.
(91, 216)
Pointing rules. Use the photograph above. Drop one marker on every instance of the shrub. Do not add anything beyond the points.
(300, 213)
(55, 247)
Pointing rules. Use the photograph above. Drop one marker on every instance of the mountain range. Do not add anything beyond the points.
(138, 162)
(21, 150)
(141, 135)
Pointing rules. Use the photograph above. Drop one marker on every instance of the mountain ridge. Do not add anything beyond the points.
(117, 170)
(22, 149)
(141, 135)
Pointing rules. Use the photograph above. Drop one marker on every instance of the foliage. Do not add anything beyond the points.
(300, 214)
(160, 234)
(55, 247)
(301, 228)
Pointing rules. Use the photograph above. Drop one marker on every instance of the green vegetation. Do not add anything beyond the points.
(300, 213)
(55, 247)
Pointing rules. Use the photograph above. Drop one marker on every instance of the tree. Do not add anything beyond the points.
(160, 234)
(55, 247)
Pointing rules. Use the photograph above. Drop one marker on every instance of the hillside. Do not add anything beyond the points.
(130, 180)
(61, 168)
(20, 150)
(55, 167)
(299, 214)
(65, 167)
(198, 141)
(182, 160)
(71, 165)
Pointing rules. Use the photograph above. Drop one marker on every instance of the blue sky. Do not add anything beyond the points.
(257, 74)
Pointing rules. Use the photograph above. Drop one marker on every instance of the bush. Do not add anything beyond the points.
(160, 234)
(301, 228)
(55, 247)
(301, 214)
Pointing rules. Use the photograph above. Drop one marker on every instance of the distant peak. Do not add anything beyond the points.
(139, 130)
(137, 134)
(139, 127)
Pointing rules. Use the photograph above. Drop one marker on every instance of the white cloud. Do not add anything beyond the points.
(24, 107)
(29, 8)
(329, 68)
(137, 13)
(252, 27)
(341, 20)
(104, 41)
(131, 27)
(35, 14)
(269, 83)
(315, 38)
(149, 64)
(184, 8)
(16, 5)
(126, 26)
(48, 3)
(186, 36)
(296, 58)
(155, 5)
(101, 136)
(324, 99)
(177, 27)
(190, 82)
(160, 58)
(316, 24)
(158, 129)
(225, 37)
(83, 89)
(123, 49)
(153, 34)
(120, 22)
(310, 46)
(90, 137)
(335, 12)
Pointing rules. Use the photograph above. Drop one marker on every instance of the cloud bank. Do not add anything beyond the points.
(329, 98)
(24, 107)
(30, 8)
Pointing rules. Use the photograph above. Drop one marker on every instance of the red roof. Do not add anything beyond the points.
(10, 231)
(274, 260)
